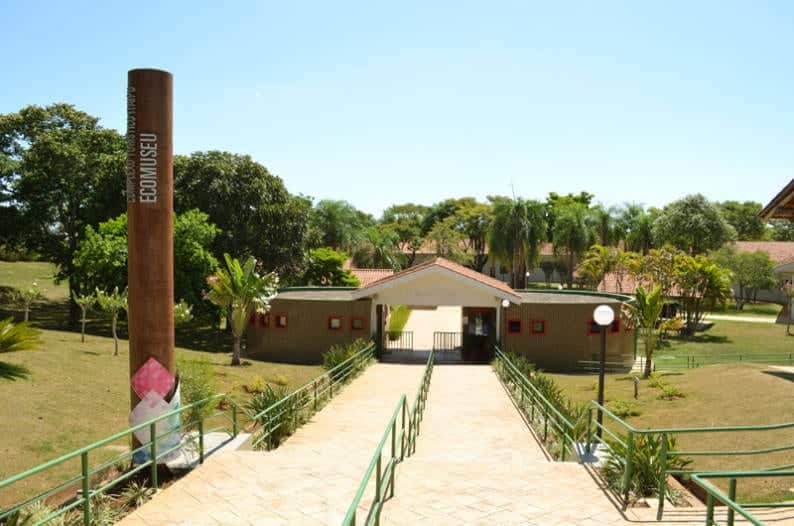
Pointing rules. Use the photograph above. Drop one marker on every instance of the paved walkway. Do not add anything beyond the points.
(477, 463)
(748, 319)
(423, 323)
(310, 479)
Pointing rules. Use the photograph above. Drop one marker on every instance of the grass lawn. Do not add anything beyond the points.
(75, 393)
(21, 274)
(731, 337)
(717, 395)
(752, 310)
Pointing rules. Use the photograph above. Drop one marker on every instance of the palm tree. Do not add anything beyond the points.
(17, 336)
(637, 227)
(379, 249)
(517, 230)
(241, 290)
(605, 226)
(644, 312)
(571, 235)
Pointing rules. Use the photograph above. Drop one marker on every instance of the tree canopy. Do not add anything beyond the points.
(693, 224)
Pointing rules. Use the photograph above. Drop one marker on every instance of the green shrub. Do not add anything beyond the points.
(671, 392)
(135, 495)
(256, 385)
(623, 408)
(646, 464)
(282, 421)
(183, 313)
(18, 336)
(197, 382)
(281, 380)
(337, 354)
(397, 319)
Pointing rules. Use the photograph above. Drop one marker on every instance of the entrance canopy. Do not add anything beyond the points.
(438, 282)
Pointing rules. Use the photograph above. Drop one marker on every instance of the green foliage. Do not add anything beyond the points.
(398, 317)
(597, 262)
(338, 354)
(65, 171)
(694, 225)
(635, 225)
(282, 421)
(18, 336)
(325, 267)
(670, 392)
(643, 313)
(240, 289)
(256, 385)
(252, 208)
(338, 224)
(379, 248)
(646, 461)
(572, 234)
(101, 257)
(702, 284)
(743, 217)
(183, 313)
(623, 408)
(752, 271)
(406, 221)
(135, 495)
(196, 382)
(449, 241)
(781, 230)
(25, 297)
(516, 233)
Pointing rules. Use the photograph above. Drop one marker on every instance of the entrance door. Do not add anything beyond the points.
(479, 333)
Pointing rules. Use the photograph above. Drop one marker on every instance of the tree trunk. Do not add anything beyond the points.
(82, 326)
(649, 336)
(115, 336)
(235, 350)
(27, 312)
(570, 270)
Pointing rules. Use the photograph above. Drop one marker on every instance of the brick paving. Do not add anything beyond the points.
(311, 479)
(476, 463)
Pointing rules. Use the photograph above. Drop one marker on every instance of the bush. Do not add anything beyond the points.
(671, 392)
(623, 408)
(646, 464)
(183, 313)
(337, 354)
(197, 382)
(257, 385)
(283, 420)
(18, 336)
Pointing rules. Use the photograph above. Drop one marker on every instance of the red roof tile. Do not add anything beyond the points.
(453, 267)
(779, 251)
(370, 275)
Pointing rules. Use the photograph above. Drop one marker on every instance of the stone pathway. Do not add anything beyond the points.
(477, 463)
(310, 479)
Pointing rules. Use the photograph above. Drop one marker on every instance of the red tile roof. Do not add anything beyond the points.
(779, 251)
(370, 275)
(453, 267)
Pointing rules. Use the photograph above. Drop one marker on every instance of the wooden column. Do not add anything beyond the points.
(150, 205)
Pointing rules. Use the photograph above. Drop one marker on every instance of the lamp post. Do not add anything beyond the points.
(603, 316)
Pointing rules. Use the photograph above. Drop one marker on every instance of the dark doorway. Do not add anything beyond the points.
(479, 334)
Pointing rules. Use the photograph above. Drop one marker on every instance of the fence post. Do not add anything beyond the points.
(402, 434)
(589, 430)
(410, 432)
(315, 395)
(201, 439)
(235, 428)
(662, 478)
(709, 509)
(545, 422)
(153, 453)
(732, 496)
(627, 475)
(393, 460)
(86, 489)
(378, 489)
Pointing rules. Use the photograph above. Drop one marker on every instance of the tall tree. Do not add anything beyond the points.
(254, 211)
(379, 249)
(597, 262)
(693, 224)
(636, 227)
(572, 235)
(474, 220)
(605, 224)
(339, 224)
(66, 172)
(325, 267)
(743, 217)
(752, 271)
(781, 230)
(449, 241)
(407, 221)
(517, 231)
(242, 290)
(701, 283)
(644, 314)
(555, 203)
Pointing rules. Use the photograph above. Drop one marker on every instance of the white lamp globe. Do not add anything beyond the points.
(505, 303)
(604, 315)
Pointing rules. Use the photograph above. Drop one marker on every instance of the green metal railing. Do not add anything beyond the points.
(549, 422)
(88, 474)
(384, 477)
(714, 494)
(665, 434)
(306, 399)
(693, 360)
(551, 426)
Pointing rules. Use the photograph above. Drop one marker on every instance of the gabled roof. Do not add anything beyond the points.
(779, 251)
(499, 288)
(781, 206)
(370, 275)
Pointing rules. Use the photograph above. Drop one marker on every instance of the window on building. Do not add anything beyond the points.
(264, 320)
(334, 323)
(356, 324)
(593, 328)
(615, 326)
(538, 327)
(281, 321)
(513, 326)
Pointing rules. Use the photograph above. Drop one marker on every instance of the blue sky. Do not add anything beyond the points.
(380, 103)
